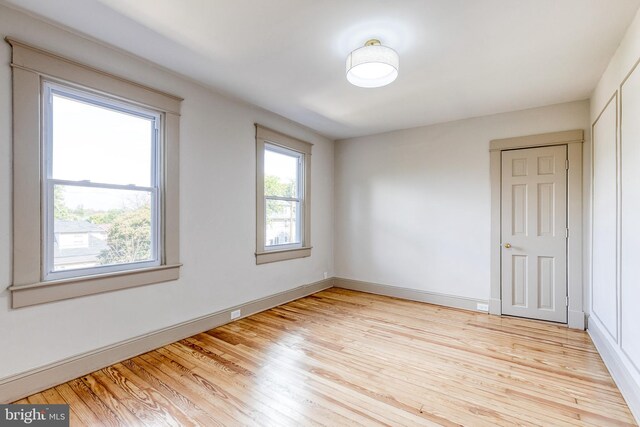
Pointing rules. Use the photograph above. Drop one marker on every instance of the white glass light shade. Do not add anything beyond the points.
(372, 66)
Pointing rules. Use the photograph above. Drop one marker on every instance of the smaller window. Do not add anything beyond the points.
(283, 229)
(283, 197)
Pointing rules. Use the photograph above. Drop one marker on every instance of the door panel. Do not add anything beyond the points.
(519, 210)
(534, 221)
(546, 205)
(520, 276)
(546, 282)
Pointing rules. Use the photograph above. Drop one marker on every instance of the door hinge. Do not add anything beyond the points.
(566, 233)
(566, 164)
(566, 301)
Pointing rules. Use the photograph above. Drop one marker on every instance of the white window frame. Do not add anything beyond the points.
(32, 67)
(268, 139)
(299, 197)
(48, 182)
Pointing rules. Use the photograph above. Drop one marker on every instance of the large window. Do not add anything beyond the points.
(95, 179)
(101, 186)
(283, 229)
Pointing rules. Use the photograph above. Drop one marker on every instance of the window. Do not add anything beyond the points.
(95, 180)
(283, 197)
(283, 205)
(101, 184)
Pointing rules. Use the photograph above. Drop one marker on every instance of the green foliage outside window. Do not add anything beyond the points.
(273, 186)
(128, 229)
(129, 237)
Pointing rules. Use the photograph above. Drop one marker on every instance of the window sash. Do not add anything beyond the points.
(299, 192)
(49, 229)
(49, 183)
(300, 158)
(299, 226)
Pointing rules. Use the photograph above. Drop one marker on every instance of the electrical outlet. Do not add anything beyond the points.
(482, 307)
(326, 275)
(235, 314)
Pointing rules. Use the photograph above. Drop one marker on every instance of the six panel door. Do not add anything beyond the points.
(534, 233)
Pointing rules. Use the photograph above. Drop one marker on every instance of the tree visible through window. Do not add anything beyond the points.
(126, 232)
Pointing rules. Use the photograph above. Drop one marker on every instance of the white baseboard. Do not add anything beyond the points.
(617, 368)
(35, 380)
(410, 294)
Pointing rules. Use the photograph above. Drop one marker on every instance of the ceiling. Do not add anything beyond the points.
(458, 58)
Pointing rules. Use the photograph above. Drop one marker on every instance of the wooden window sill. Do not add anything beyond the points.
(282, 255)
(56, 290)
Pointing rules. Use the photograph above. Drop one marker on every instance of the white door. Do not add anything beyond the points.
(534, 233)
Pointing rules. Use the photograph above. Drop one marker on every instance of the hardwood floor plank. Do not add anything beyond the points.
(84, 413)
(212, 392)
(113, 403)
(220, 375)
(37, 399)
(103, 412)
(170, 389)
(183, 382)
(342, 357)
(149, 398)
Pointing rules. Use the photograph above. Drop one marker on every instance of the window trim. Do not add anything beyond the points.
(30, 67)
(265, 137)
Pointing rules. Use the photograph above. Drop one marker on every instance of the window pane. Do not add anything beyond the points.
(96, 226)
(282, 225)
(280, 174)
(97, 144)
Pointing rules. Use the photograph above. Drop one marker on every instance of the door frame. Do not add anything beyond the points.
(573, 139)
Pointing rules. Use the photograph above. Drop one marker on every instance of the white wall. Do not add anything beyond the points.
(217, 213)
(413, 206)
(615, 292)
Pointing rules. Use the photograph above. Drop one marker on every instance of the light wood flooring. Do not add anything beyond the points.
(348, 358)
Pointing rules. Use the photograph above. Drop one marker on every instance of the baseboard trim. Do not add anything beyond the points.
(410, 294)
(35, 380)
(621, 376)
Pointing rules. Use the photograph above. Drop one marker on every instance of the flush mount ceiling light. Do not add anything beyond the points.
(372, 65)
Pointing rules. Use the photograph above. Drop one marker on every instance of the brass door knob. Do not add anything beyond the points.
(507, 245)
